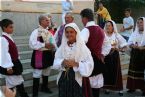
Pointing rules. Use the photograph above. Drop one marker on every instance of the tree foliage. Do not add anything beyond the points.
(116, 7)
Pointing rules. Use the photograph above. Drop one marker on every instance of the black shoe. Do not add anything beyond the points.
(25, 95)
(120, 94)
(21, 90)
(143, 94)
(107, 92)
(131, 91)
(34, 96)
(44, 87)
(46, 90)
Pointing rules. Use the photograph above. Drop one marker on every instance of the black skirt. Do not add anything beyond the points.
(68, 86)
(42, 59)
(113, 75)
(135, 78)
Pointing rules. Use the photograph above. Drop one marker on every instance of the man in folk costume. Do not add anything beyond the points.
(96, 41)
(58, 35)
(43, 45)
(137, 61)
(10, 64)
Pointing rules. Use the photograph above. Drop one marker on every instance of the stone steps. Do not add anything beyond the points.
(24, 47)
(26, 63)
(21, 39)
(54, 94)
(25, 55)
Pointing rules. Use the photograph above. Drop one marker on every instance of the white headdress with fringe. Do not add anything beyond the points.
(137, 31)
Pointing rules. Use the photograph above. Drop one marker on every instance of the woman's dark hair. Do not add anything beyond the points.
(5, 23)
(87, 13)
(140, 18)
(110, 23)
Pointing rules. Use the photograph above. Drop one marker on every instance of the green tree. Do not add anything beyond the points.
(116, 7)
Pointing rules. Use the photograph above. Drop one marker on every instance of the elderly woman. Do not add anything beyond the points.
(113, 76)
(74, 61)
(137, 62)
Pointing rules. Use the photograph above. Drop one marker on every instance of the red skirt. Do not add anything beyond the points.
(42, 59)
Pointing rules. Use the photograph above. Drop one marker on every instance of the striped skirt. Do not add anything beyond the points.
(135, 78)
(68, 86)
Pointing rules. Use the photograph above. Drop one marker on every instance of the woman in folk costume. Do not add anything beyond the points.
(137, 62)
(113, 75)
(10, 65)
(43, 45)
(74, 61)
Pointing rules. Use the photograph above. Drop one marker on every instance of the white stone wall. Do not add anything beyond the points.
(24, 23)
(53, 6)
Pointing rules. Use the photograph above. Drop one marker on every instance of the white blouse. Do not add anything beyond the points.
(117, 39)
(136, 38)
(82, 70)
(5, 58)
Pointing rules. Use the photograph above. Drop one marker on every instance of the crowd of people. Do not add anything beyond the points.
(87, 60)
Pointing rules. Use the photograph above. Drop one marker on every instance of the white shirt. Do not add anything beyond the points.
(127, 22)
(98, 80)
(84, 65)
(5, 60)
(34, 43)
(118, 39)
(67, 6)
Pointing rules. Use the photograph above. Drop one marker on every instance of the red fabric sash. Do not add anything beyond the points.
(38, 59)
(87, 87)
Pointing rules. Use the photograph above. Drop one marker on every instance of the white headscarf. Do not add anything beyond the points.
(81, 49)
(137, 31)
(121, 41)
(114, 26)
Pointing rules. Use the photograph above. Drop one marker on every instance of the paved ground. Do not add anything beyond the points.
(112, 94)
